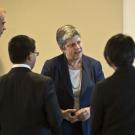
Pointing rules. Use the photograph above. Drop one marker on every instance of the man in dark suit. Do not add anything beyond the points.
(28, 103)
(113, 104)
(75, 76)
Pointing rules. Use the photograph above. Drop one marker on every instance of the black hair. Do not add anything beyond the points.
(120, 50)
(19, 47)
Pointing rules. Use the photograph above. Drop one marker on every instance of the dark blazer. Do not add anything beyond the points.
(57, 68)
(28, 104)
(113, 104)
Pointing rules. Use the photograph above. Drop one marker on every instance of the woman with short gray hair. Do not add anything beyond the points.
(75, 76)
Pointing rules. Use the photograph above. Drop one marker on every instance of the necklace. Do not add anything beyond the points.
(75, 65)
(75, 77)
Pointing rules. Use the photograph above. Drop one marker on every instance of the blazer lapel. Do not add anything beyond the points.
(65, 72)
(84, 81)
(86, 76)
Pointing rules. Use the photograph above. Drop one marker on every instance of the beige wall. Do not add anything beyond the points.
(129, 17)
(96, 19)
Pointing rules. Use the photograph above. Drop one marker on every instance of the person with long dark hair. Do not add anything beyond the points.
(113, 102)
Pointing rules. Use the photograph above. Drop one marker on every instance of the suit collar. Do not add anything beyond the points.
(20, 69)
(21, 65)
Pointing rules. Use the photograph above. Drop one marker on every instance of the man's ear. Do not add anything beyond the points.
(29, 57)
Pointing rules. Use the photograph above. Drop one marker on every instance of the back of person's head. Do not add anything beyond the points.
(65, 33)
(19, 48)
(120, 50)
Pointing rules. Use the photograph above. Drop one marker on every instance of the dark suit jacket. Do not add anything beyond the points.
(57, 68)
(113, 104)
(28, 104)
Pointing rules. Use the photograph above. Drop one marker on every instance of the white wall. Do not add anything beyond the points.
(129, 17)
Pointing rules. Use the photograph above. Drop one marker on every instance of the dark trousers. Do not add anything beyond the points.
(77, 128)
(72, 128)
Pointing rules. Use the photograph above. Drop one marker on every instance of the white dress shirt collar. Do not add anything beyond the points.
(21, 65)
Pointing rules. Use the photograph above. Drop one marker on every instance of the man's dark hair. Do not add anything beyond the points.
(120, 50)
(19, 47)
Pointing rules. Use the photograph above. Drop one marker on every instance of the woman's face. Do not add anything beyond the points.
(73, 48)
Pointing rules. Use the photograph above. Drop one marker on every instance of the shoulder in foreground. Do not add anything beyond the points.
(90, 59)
(40, 77)
(55, 58)
(3, 76)
(105, 81)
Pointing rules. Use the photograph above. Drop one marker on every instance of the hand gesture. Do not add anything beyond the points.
(69, 115)
(83, 113)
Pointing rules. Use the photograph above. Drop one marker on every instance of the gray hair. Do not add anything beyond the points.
(65, 33)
